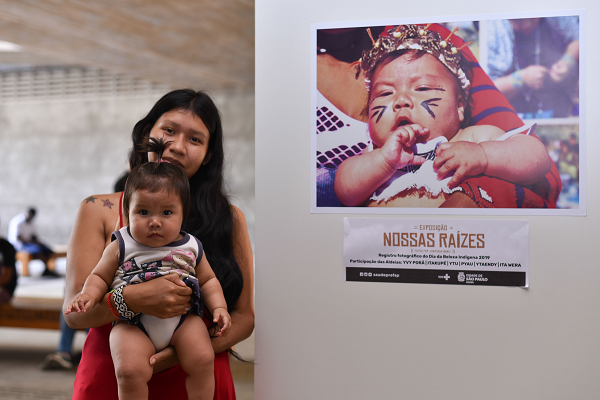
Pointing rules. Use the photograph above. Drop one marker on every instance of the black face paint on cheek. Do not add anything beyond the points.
(379, 112)
(426, 105)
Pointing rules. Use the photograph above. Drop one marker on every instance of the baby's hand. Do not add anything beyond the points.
(223, 319)
(464, 158)
(81, 303)
(397, 148)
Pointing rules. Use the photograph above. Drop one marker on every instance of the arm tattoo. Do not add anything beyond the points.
(107, 203)
(90, 199)
(379, 112)
(426, 105)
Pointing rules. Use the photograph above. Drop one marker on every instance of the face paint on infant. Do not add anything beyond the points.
(414, 90)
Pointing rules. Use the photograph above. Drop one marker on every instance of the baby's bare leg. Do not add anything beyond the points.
(197, 357)
(131, 350)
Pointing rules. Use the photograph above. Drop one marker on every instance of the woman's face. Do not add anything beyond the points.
(190, 139)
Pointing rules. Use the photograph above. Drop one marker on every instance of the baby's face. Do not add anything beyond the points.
(408, 91)
(155, 218)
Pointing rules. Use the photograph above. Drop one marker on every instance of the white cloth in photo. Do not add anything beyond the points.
(423, 177)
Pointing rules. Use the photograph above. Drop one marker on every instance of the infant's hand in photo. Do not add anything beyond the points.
(464, 158)
(397, 149)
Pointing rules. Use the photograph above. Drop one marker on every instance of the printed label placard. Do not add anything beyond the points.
(438, 251)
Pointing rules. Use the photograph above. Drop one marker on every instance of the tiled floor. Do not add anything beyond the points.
(23, 350)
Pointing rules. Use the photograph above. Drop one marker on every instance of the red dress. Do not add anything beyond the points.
(96, 374)
(96, 380)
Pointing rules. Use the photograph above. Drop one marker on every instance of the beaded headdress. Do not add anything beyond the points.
(413, 37)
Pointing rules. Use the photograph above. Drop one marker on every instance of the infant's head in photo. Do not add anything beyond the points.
(415, 77)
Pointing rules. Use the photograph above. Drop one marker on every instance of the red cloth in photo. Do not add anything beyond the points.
(490, 107)
(95, 379)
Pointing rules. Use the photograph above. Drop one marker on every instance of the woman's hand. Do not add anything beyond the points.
(242, 314)
(534, 76)
(163, 297)
(561, 68)
(164, 359)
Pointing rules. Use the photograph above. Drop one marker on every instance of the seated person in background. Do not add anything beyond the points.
(534, 63)
(23, 235)
(63, 357)
(418, 93)
(8, 273)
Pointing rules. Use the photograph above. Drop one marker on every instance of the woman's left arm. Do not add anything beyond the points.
(242, 314)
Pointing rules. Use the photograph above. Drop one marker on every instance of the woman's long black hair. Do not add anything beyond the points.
(210, 218)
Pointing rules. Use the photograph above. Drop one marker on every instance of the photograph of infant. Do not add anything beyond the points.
(466, 114)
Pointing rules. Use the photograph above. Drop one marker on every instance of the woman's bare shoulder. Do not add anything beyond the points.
(102, 203)
(101, 210)
(238, 215)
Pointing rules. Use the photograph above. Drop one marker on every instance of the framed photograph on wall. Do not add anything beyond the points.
(476, 115)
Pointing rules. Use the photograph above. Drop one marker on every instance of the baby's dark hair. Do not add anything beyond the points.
(415, 55)
(157, 176)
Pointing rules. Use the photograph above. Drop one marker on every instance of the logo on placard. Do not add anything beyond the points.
(461, 276)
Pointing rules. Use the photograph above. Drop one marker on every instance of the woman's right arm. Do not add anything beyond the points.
(532, 76)
(86, 245)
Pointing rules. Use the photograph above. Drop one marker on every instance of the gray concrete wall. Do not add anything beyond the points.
(53, 154)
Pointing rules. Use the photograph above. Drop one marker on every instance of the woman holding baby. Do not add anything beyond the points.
(192, 123)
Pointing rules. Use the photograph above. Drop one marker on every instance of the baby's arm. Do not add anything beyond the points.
(97, 284)
(358, 177)
(213, 297)
(521, 159)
